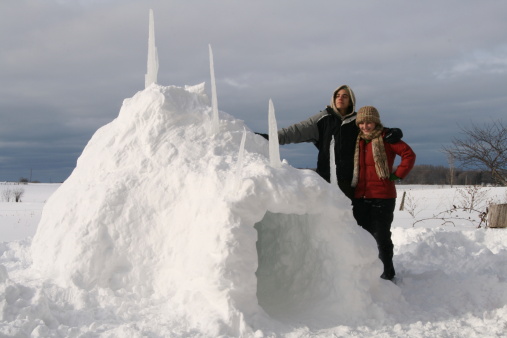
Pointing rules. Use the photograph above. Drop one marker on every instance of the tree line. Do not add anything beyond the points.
(440, 175)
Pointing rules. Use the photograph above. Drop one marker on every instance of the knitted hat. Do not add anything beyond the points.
(368, 114)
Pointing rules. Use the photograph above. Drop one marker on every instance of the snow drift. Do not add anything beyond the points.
(160, 211)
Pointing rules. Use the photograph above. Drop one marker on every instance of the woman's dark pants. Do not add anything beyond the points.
(375, 215)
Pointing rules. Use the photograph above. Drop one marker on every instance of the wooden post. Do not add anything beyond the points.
(402, 204)
(497, 216)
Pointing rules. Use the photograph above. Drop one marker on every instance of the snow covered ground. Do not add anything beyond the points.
(454, 278)
(160, 233)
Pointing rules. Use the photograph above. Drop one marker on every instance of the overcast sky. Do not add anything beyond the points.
(66, 66)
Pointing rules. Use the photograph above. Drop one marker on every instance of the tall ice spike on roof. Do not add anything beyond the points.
(332, 163)
(274, 146)
(214, 101)
(152, 71)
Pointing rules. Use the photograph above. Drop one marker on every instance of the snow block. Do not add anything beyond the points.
(151, 215)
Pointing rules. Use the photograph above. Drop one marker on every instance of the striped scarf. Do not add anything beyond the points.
(379, 154)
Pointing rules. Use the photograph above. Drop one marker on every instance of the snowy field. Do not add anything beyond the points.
(19, 220)
(165, 229)
(453, 275)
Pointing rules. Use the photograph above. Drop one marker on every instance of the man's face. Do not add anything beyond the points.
(342, 101)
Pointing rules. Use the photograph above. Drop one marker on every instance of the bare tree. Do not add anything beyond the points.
(18, 193)
(483, 148)
(6, 195)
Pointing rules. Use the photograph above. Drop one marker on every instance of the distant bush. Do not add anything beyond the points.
(18, 193)
(12, 194)
(6, 195)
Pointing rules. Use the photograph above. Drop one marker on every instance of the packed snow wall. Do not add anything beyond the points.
(159, 207)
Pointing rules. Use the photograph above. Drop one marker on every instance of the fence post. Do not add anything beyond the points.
(402, 204)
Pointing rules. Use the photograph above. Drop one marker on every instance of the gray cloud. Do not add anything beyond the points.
(66, 67)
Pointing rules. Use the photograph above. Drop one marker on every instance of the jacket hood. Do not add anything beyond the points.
(352, 98)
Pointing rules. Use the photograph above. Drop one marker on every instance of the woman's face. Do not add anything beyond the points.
(367, 127)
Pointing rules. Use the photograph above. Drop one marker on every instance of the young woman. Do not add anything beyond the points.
(373, 179)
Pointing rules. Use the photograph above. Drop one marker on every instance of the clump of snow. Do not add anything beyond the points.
(163, 222)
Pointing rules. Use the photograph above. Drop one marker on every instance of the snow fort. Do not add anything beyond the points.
(165, 219)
